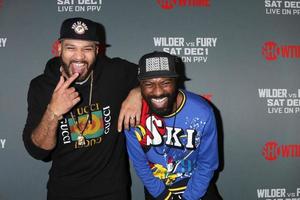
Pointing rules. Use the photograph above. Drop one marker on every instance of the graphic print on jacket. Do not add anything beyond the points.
(170, 146)
(94, 129)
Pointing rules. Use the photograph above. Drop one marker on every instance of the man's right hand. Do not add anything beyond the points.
(64, 97)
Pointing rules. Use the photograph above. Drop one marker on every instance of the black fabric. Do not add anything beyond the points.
(99, 169)
(163, 195)
(119, 195)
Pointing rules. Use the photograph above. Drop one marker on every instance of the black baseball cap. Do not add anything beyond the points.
(101, 35)
(79, 28)
(157, 64)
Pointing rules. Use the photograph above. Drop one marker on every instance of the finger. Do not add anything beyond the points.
(70, 90)
(120, 121)
(76, 101)
(132, 121)
(60, 82)
(137, 119)
(70, 80)
(74, 95)
(126, 122)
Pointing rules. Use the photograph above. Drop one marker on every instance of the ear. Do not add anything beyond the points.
(59, 49)
(97, 49)
(101, 49)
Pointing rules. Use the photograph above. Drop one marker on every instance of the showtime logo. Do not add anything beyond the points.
(54, 50)
(271, 51)
(271, 151)
(170, 4)
(207, 96)
(1, 3)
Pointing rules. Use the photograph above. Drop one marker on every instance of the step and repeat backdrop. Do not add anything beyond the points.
(243, 56)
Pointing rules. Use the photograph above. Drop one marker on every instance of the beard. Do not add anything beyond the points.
(81, 77)
(172, 97)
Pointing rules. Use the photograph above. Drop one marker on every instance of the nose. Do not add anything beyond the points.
(157, 90)
(79, 55)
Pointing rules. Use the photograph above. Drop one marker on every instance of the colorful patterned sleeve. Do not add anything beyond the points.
(207, 161)
(140, 162)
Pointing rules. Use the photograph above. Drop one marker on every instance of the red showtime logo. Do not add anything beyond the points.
(271, 151)
(1, 3)
(271, 51)
(207, 96)
(170, 4)
(54, 50)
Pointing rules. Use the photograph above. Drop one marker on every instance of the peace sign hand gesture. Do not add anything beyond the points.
(64, 97)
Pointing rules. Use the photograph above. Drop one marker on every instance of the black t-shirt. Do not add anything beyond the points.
(101, 166)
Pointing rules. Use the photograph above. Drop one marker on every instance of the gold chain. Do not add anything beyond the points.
(81, 138)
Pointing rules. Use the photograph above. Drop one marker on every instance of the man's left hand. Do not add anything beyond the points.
(130, 112)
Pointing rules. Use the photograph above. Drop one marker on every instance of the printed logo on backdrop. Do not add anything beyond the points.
(282, 7)
(190, 51)
(3, 41)
(272, 51)
(54, 49)
(272, 151)
(79, 5)
(277, 194)
(1, 3)
(207, 96)
(280, 101)
(170, 4)
(2, 143)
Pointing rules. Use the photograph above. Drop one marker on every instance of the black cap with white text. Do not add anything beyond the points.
(157, 64)
(80, 29)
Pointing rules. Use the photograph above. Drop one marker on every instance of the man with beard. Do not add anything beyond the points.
(72, 117)
(174, 149)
